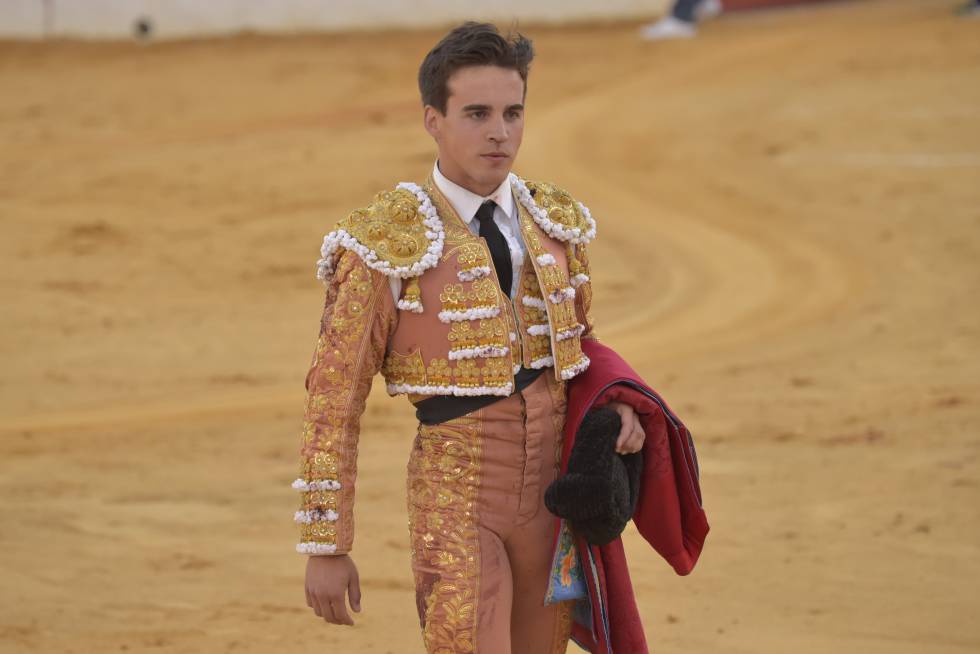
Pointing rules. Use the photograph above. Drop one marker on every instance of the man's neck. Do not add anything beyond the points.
(455, 179)
(466, 202)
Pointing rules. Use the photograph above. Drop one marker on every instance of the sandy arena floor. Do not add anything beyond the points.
(789, 237)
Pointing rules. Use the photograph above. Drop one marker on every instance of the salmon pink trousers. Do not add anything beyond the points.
(481, 535)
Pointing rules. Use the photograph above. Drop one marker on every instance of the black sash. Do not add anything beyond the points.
(440, 408)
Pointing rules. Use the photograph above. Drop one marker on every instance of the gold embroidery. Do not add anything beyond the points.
(574, 265)
(404, 368)
(533, 243)
(439, 373)
(563, 315)
(391, 226)
(472, 255)
(348, 353)
(552, 279)
(583, 295)
(442, 485)
(319, 499)
(456, 230)
(489, 332)
(467, 374)
(497, 372)
(322, 465)
(559, 205)
(453, 298)
(319, 532)
(483, 294)
(412, 292)
(476, 336)
(563, 627)
(538, 347)
(569, 353)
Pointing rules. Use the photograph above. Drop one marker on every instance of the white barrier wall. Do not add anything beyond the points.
(182, 18)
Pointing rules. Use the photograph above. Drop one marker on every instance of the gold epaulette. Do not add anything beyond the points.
(571, 220)
(398, 234)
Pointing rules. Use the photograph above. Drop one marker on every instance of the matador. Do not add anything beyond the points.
(470, 293)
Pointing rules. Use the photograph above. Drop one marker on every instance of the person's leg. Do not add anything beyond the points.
(537, 628)
(684, 10)
(464, 479)
(496, 592)
(447, 552)
(679, 23)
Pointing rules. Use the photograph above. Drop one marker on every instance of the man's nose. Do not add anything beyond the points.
(498, 131)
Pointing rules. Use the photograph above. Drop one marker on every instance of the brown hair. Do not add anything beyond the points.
(471, 44)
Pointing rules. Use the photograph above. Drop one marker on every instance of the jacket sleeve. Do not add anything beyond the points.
(582, 280)
(358, 316)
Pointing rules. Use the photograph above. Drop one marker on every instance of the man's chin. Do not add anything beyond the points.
(495, 175)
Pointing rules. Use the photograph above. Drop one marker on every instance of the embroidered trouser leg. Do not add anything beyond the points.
(481, 535)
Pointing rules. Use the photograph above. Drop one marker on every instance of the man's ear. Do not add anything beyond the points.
(431, 120)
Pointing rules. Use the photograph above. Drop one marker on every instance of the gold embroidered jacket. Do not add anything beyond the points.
(452, 331)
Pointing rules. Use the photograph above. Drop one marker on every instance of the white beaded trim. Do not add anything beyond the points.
(316, 548)
(513, 337)
(559, 296)
(461, 391)
(517, 368)
(323, 484)
(316, 515)
(341, 238)
(546, 259)
(534, 302)
(570, 333)
(479, 352)
(414, 306)
(469, 274)
(551, 228)
(539, 330)
(543, 362)
(475, 313)
(579, 279)
(575, 368)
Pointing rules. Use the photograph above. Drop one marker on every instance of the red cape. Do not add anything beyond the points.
(668, 514)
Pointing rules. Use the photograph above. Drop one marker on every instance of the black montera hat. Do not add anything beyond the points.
(599, 491)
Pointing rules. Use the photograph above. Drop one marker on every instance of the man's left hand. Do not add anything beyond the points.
(631, 436)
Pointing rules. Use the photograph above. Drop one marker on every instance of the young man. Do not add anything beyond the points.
(470, 293)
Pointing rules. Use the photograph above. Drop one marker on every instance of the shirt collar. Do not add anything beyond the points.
(466, 202)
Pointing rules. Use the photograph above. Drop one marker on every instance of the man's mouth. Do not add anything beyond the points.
(495, 155)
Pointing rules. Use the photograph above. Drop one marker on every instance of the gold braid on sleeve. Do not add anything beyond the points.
(349, 351)
(581, 276)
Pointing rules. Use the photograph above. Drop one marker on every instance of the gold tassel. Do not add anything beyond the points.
(412, 293)
(574, 265)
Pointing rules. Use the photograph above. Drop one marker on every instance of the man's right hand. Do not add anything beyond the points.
(328, 580)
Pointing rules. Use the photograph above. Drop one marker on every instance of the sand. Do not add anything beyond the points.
(789, 236)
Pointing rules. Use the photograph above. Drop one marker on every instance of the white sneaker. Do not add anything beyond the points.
(669, 27)
(707, 9)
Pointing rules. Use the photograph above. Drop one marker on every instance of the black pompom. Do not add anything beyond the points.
(598, 494)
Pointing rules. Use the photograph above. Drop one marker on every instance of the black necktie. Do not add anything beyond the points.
(499, 251)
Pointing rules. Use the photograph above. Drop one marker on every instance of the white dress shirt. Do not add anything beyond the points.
(466, 203)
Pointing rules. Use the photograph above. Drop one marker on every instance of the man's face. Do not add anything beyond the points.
(480, 134)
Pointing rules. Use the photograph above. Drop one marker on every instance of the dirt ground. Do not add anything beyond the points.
(788, 246)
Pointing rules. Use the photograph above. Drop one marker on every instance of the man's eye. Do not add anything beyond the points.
(479, 114)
